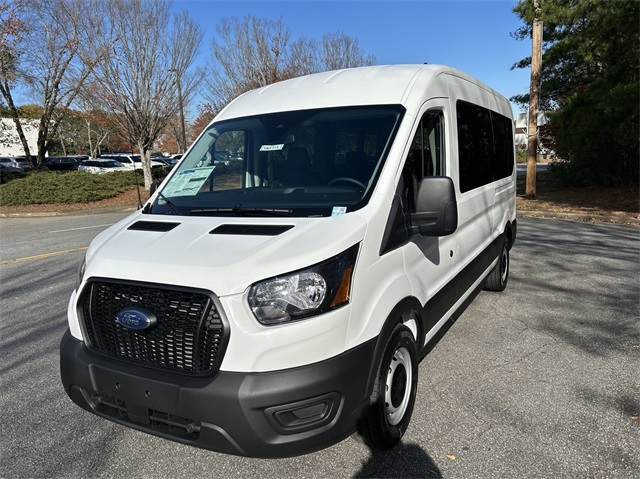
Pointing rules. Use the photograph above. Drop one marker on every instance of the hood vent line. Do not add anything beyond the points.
(251, 230)
(157, 226)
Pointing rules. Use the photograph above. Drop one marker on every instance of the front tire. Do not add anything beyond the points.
(394, 392)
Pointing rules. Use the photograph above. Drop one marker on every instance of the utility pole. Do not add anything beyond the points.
(183, 135)
(534, 101)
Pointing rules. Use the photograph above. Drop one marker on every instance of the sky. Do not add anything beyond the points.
(471, 35)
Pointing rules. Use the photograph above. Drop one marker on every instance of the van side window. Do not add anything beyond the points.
(485, 145)
(426, 155)
(503, 135)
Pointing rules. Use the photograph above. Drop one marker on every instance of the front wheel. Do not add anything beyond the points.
(394, 392)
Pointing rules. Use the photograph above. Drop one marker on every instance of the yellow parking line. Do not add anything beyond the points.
(42, 256)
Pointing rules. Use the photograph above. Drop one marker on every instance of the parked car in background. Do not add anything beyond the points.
(102, 165)
(6, 163)
(80, 157)
(10, 169)
(9, 166)
(24, 163)
(221, 158)
(64, 163)
(167, 162)
(129, 161)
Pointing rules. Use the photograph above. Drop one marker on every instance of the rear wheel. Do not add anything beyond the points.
(394, 392)
(497, 279)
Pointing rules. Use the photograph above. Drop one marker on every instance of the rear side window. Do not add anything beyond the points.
(485, 145)
(503, 137)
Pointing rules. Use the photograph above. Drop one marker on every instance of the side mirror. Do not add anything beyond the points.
(153, 188)
(436, 207)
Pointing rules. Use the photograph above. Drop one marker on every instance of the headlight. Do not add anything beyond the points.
(315, 290)
(81, 269)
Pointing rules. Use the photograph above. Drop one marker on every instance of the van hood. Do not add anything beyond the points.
(221, 254)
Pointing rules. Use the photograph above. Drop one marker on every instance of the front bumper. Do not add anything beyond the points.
(272, 414)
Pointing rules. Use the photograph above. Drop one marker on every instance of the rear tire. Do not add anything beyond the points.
(394, 392)
(497, 279)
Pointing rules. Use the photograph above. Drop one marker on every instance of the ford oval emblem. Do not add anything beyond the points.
(136, 318)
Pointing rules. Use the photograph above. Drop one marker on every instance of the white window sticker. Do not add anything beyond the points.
(188, 182)
(338, 210)
(271, 147)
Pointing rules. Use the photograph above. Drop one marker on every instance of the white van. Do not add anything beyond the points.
(275, 305)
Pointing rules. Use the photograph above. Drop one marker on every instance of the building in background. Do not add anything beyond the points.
(522, 125)
(10, 144)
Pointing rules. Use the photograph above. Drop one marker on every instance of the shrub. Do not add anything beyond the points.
(44, 187)
(7, 177)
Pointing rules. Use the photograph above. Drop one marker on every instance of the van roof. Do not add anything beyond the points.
(376, 85)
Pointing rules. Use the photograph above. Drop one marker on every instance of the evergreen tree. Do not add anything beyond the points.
(590, 83)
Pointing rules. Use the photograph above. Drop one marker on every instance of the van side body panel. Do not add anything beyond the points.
(481, 219)
(445, 271)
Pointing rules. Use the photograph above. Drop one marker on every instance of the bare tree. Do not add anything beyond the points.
(98, 125)
(186, 38)
(341, 51)
(53, 61)
(12, 29)
(97, 132)
(254, 52)
(138, 81)
(85, 130)
(250, 54)
(303, 57)
(206, 113)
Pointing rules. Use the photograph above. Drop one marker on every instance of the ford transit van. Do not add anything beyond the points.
(281, 301)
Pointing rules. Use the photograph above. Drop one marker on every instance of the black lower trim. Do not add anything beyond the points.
(428, 347)
(274, 414)
(438, 305)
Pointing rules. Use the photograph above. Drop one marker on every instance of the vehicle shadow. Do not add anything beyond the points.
(403, 461)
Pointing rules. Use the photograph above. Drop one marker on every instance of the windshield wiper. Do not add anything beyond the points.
(241, 211)
(169, 204)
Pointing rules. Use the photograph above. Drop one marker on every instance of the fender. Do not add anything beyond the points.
(397, 315)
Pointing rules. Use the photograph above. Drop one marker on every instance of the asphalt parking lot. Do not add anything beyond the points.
(542, 380)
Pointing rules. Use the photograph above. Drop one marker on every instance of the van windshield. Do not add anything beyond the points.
(299, 163)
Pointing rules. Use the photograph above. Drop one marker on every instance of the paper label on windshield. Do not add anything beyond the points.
(188, 182)
(271, 147)
(338, 210)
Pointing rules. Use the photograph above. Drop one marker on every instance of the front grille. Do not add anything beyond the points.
(188, 337)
